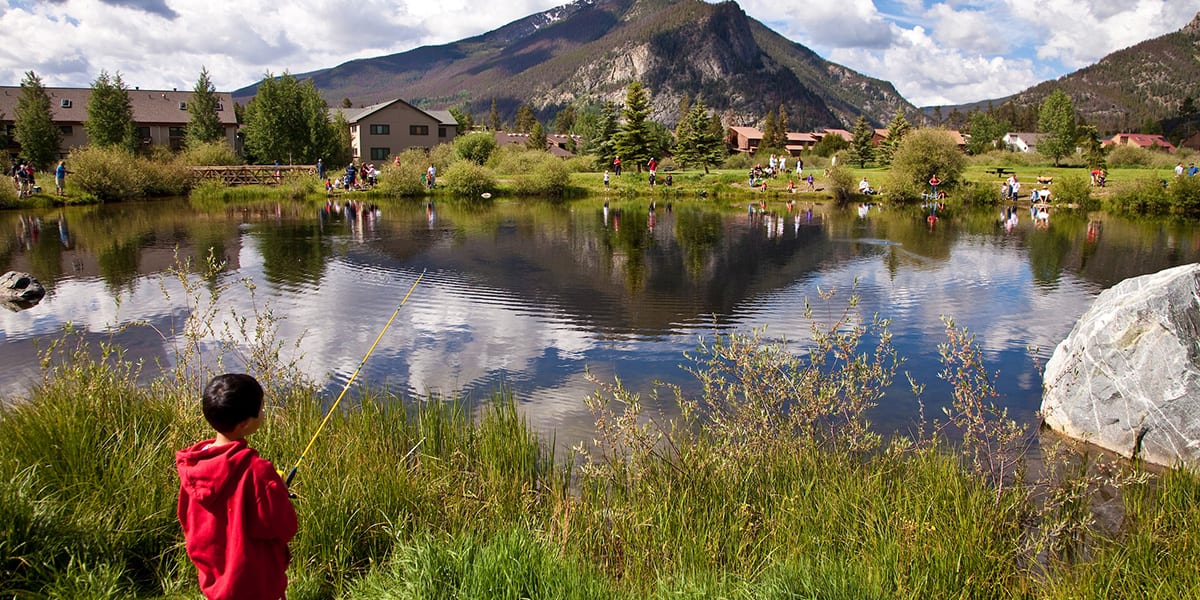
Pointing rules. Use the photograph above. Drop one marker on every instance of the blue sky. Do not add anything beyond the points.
(936, 53)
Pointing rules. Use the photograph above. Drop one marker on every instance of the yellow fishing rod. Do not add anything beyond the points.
(292, 473)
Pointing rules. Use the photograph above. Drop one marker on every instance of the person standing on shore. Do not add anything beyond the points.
(60, 177)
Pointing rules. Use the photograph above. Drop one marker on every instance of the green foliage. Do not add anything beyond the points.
(1124, 155)
(1056, 119)
(842, 184)
(209, 154)
(977, 194)
(537, 137)
(697, 143)
(1073, 189)
(1185, 196)
(402, 177)
(288, 122)
(829, 145)
(633, 139)
(115, 174)
(476, 147)
(341, 153)
(462, 116)
(493, 121)
(986, 132)
(37, 134)
(897, 129)
(110, 114)
(467, 179)
(204, 125)
(8, 195)
(537, 173)
(1094, 152)
(603, 142)
(1145, 196)
(525, 119)
(924, 153)
(862, 150)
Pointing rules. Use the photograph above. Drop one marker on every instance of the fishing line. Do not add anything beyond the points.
(292, 473)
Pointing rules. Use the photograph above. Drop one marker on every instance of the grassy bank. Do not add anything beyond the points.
(769, 485)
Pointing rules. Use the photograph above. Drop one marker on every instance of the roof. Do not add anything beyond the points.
(751, 133)
(354, 115)
(842, 133)
(801, 138)
(1028, 137)
(69, 105)
(1142, 140)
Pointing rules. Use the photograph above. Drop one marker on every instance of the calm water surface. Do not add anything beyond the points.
(531, 296)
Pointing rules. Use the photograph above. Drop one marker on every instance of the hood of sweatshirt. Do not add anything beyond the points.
(205, 471)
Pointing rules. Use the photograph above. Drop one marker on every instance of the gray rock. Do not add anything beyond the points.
(1127, 378)
(20, 288)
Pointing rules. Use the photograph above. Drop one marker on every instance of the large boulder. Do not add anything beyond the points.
(19, 291)
(1127, 378)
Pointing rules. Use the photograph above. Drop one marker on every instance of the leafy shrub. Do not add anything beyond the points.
(739, 160)
(475, 147)
(107, 173)
(580, 164)
(1129, 156)
(1073, 189)
(548, 176)
(1185, 196)
(1145, 196)
(8, 195)
(981, 194)
(842, 185)
(441, 156)
(402, 179)
(466, 179)
(922, 154)
(211, 154)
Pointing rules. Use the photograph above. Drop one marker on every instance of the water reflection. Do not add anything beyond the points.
(531, 296)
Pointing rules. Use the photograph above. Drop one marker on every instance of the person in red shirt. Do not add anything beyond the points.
(933, 182)
(234, 508)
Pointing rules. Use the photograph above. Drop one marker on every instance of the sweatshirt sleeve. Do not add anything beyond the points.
(276, 515)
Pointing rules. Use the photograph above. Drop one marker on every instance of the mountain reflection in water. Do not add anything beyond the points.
(530, 296)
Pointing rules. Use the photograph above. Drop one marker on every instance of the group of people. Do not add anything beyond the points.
(24, 180)
(1191, 170)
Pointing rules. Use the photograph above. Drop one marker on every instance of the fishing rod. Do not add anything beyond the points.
(292, 474)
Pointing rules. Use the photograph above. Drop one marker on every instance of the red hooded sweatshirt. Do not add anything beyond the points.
(237, 520)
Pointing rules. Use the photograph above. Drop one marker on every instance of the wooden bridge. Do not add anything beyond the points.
(251, 174)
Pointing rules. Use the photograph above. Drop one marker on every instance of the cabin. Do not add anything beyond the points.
(1141, 140)
(1021, 141)
(159, 116)
(380, 130)
(557, 144)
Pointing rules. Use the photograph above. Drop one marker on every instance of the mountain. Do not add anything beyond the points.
(590, 50)
(1147, 82)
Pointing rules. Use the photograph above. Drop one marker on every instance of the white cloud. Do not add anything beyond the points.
(936, 52)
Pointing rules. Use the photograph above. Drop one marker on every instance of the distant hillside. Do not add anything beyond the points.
(590, 50)
(1146, 82)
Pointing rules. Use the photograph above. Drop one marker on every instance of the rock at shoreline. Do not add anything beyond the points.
(20, 290)
(1127, 378)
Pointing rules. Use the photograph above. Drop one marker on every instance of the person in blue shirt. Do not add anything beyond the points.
(60, 177)
(1192, 170)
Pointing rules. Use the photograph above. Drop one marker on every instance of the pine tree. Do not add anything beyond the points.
(204, 125)
(564, 121)
(288, 121)
(110, 114)
(717, 152)
(768, 132)
(537, 137)
(606, 135)
(897, 129)
(862, 150)
(633, 141)
(37, 134)
(781, 127)
(493, 121)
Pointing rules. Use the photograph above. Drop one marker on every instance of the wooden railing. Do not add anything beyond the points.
(250, 174)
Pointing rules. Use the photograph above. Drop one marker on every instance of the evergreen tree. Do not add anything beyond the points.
(341, 153)
(110, 114)
(1056, 119)
(685, 108)
(537, 137)
(633, 139)
(37, 134)
(289, 122)
(717, 152)
(781, 127)
(697, 142)
(346, 103)
(564, 121)
(606, 135)
(493, 121)
(525, 119)
(897, 129)
(204, 125)
(768, 132)
(464, 118)
(3, 133)
(862, 151)
(1094, 151)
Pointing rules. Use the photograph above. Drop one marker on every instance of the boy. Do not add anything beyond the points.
(236, 516)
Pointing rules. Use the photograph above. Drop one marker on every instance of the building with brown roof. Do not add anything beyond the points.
(1141, 140)
(380, 130)
(160, 116)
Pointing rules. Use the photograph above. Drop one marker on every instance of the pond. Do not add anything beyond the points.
(531, 297)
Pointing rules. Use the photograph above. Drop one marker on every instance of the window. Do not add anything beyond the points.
(441, 132)
(66, 130)
(220, 106)
(178, 132)
(418, 130)
(183, 106)
(66, 103)
(381, 129)
(380, 153)
(143, 134)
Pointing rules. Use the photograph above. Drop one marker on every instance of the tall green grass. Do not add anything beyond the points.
(770, 486)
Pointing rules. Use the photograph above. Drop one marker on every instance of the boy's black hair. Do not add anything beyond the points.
(230, 399)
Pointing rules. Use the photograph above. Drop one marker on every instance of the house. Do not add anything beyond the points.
(743, 139)
(1021, 141)
(1191, 141)
(842, 133)
(1141, 140)
(160, 116)
(556, 144)
(797, 142)
(380, 130)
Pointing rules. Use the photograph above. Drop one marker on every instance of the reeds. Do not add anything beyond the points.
(769, 486)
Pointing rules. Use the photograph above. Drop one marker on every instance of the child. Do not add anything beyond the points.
(236, 516)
